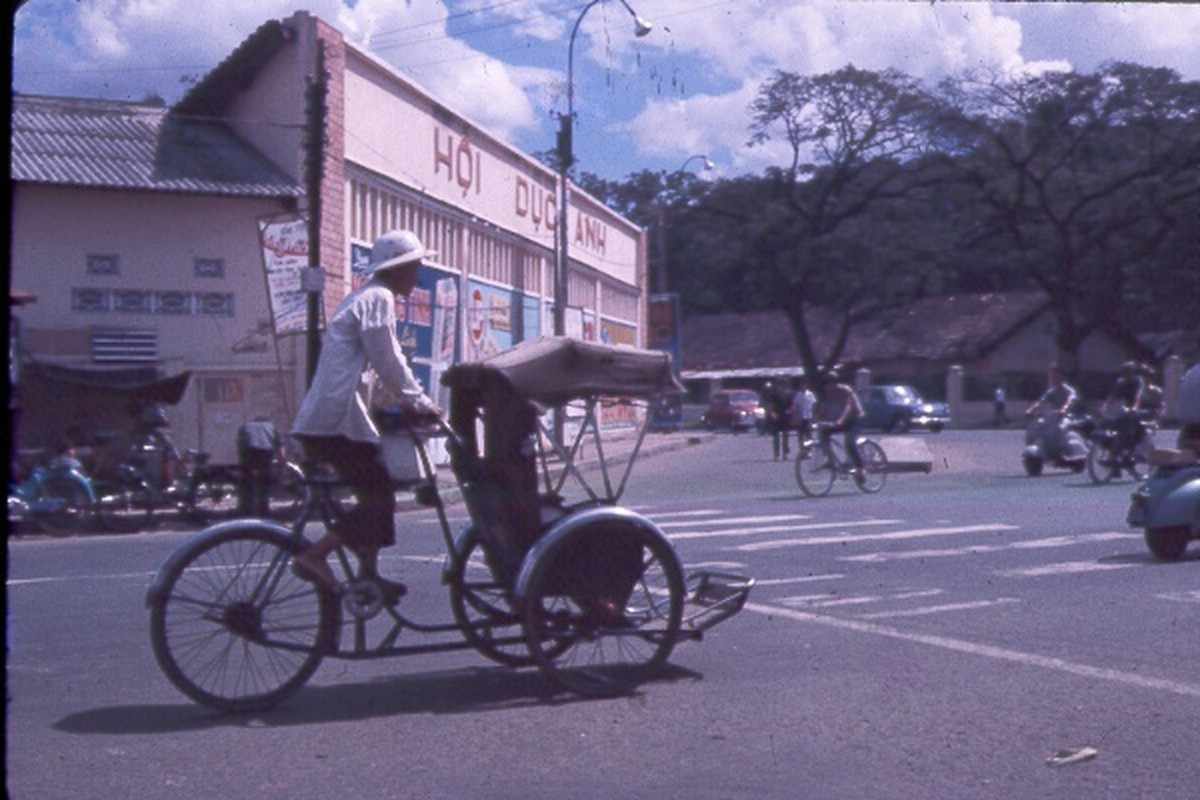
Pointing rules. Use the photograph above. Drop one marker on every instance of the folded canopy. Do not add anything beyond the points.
(552, 370)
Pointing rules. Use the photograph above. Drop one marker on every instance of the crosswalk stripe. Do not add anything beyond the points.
(913, 533)
(1062, 568)
(977, 549)
(1181, 597)
(780, 529)
(802, 579)
(737, 520)
(926, 610)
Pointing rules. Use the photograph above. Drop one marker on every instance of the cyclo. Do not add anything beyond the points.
(590, 592)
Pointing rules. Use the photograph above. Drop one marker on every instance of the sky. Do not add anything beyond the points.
(652, 102)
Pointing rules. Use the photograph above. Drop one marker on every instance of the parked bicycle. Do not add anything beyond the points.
(823, 460)
(591, 593)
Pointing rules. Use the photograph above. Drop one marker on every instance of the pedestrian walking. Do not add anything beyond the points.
(258, 445)
(803, 404)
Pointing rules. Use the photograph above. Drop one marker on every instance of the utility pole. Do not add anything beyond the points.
(313, 281)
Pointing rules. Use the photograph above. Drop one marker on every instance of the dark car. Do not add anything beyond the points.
(897, 408)
(735, 409)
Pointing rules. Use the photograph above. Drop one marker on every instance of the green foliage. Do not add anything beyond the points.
(1084, 186)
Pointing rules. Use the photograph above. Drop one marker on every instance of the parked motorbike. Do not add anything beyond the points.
(1054, 440)
(56, 498)
(1167, 507)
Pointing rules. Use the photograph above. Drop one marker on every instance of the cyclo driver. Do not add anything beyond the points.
(334, 423)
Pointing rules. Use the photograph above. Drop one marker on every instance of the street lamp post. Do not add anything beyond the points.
(660, 272)
(566, 158)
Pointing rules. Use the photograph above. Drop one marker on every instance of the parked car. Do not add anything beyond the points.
(735, 409)
(897, 408)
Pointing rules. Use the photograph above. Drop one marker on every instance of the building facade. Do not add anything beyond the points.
(182, 265)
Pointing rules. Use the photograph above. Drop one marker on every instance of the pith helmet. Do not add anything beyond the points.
(395, 249)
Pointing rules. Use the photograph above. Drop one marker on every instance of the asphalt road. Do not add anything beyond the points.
(943, 638)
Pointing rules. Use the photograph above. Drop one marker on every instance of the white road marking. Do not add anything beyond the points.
(715, 565)
(833, 600)
(1180, 597)
(976, 549)
(805, 579)
(926, 610)
(780, 529)
(737, 520)
(914, 533)
(697, 512)
(984, 650)
(1063, 568)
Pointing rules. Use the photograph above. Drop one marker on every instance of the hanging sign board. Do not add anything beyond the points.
(284, 244)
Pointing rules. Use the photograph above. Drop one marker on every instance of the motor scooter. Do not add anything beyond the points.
(1167, 505)
(1053, 439)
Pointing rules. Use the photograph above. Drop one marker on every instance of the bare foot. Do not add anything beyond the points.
(315, 570)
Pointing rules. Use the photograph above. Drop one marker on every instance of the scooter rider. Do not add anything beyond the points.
(1060, 398)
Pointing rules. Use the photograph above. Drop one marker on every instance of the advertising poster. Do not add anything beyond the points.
(662, 333)
(618, 416)
(489, 320)
(533, 321)
(284, 244)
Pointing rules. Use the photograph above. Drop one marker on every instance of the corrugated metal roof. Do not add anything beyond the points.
(115, 145)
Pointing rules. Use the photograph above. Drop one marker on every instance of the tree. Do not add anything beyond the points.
(859, 143)
(1088, 177)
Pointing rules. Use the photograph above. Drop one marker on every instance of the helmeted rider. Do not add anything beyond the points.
(1123, 402)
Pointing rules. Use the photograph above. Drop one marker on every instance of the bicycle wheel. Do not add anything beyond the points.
(481, 607)
(602, 606)
(212, 494)
(232, 627)
(875, 467)
(814, 471)
(124, 504)
(62, 504)
(288, 494)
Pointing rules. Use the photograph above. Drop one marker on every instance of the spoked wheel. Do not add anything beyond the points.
(603, 606)
(212, 495)
(62, 504)
(875, 467)
(814, 471)
(124, 504)
(481, 606)
(232, 627)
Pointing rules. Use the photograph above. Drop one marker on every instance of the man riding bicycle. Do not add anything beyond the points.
(839, 403)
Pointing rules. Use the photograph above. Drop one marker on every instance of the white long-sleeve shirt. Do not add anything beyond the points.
(360, 339)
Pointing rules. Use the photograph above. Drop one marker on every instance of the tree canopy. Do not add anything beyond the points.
(1085, 187)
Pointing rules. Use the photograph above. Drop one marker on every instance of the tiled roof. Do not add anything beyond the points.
(107, 144)
(936, 329)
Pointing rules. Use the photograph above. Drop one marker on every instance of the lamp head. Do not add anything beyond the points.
(641, 27)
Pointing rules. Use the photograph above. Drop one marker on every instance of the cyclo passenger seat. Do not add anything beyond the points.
(499, 480)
